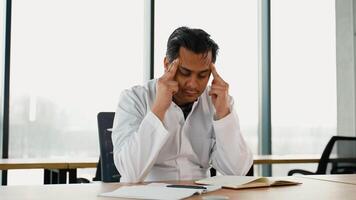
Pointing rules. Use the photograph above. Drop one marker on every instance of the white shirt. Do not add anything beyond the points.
(145, 149)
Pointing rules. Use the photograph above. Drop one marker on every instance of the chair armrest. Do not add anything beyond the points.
(299, 171)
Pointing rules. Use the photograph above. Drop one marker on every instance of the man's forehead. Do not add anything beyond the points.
(202, 69)
(189, 54)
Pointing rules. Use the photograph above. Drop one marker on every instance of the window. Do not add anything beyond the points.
(233, 25)
(303, 77)
(69, 61)
(2, 50)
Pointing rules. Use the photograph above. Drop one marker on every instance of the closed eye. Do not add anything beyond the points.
(204, 74)
(184, 72)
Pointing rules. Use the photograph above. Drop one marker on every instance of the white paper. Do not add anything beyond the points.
(156, 191)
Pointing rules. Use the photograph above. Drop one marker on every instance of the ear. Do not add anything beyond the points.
(166, 64)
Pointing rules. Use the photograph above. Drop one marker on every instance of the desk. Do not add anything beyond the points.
(257, 159)
(286, 159)
(91, 162)
(34, 163)
(310, 189)
(55, 169)
(75, 163)
(342, 178)
(48, 163)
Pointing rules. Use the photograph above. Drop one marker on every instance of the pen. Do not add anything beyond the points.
(188, 186)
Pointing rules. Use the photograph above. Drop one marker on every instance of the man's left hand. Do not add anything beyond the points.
(219, 94)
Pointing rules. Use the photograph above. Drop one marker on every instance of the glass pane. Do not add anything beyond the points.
(303, 77)
(2, 50)
(233, 25)
(70, 60)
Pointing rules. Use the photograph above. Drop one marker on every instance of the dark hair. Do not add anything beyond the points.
(195, 40)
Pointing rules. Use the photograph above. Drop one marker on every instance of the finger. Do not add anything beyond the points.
(212, 94)
(214, 72)
(218, 92)
(220, 87)
(172, 70)
(172, 63)
(174, 89)
(220, 83)
(173, 86)
(172, 83)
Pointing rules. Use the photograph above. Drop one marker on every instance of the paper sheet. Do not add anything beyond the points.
(155, 191)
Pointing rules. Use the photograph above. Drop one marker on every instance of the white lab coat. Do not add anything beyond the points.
(145, 149)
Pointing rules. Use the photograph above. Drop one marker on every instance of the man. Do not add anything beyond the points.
(175, 127)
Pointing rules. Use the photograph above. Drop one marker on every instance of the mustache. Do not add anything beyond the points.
(190, 90)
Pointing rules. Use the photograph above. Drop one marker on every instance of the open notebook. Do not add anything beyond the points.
(157, 191)
(239, 182)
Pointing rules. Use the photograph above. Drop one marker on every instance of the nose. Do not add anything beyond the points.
(192, 83)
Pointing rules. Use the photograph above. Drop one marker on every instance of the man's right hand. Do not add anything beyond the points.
(165, 89)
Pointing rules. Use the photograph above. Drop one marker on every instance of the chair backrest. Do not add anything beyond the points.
(109, 172)
(339, 156)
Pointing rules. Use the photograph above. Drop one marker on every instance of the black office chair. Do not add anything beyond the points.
(338, 157)
(97, 176)
(106, 170)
